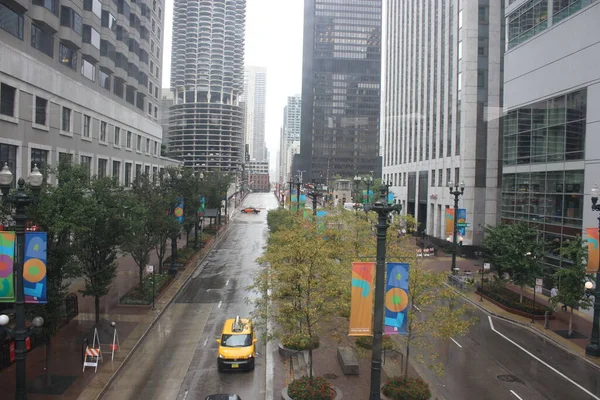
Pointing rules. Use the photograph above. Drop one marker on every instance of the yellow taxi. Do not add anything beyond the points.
(237, 345)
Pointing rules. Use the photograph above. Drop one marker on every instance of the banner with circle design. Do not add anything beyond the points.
(7, 258)
(34, 267)
(179, 210)
(396, 299)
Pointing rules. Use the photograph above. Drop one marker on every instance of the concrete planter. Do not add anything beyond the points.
(338, 394)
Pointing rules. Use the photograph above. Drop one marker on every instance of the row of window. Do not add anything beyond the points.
(39, 158)
(8, 108)
(399, 178)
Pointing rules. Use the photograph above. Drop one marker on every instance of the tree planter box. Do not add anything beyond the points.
(338, 394)
(515, 311)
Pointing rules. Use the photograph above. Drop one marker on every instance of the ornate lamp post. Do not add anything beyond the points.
(383, 209)
(20, 200)
(593, 348)
(298, 182)
(173, 184)
(357, 181)
(314, 194)
(455, 191)
(199, 178)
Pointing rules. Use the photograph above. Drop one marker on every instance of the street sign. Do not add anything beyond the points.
(149, 269)
(538, 289)
(463, 225)
(486, 265)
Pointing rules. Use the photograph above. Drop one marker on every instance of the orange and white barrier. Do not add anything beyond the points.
(92, 358)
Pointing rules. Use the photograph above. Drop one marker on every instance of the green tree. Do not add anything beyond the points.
(279, 219)
(300, 277)
(166, 225)
(515, 249)
(57, 214)
(98, 236)
(571, 278)
(144, 211)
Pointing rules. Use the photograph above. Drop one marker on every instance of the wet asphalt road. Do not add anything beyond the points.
(178, 358)
(499, 360)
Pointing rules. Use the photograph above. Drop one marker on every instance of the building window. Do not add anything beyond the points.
(11, 21)
(88, 70)
(433, 177)
(86, 161)
(564, 8)
(155, 111)
(87, 122)
(147, 171)
(147, 145)
(8, 156)
(104, 79)
(138, 172)
(440, 177)
(39, 158)
(117, 138)
(109, 21)
(119, 87)
(116, 169)
(66, 119)
(71, 19)
(41, 111)
(138, 143)
(94, 6)
(155, 148)
(456, 175)
(102, 164)
(42, 40)
(127, 174)
(8, 100)
(460, 50)
(64, 159)
(50, 5)
(149, 108)
(448, 176)
(526, 21)
(91, 36)
(128, 142)
(103, 125)
(67, 56)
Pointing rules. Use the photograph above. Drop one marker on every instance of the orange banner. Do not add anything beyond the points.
(593, 255)
(449, 222)
(361, 303)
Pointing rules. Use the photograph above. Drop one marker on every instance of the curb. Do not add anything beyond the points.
(218, 240)
(527, 326)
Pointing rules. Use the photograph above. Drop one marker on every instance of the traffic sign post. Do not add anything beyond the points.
(150, 270)
(538, 289)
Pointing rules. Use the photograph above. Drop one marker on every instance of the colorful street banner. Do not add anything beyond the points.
(200, 211)
(449, 222)
(593, 254)
(367, 196)
(321, 222)
(34, 267)
(7, 258)
(390, 198)
(396, 299)
(361, 301)
(179, 210)
(461, 218)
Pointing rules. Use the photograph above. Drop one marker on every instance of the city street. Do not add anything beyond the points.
(500, 360)
(178, 358)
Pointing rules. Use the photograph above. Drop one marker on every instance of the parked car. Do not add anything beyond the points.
(250, 209)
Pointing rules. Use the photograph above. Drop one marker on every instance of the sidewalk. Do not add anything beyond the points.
(132, 322)
(556, 332)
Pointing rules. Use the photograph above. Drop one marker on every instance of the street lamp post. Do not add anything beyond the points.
(173, 185)
(455, 191)
(314, 194)
(199, 178)
(383, 209)
(291, 182)
(20, 200)
(357, 180)
(298, 181)
(593, 348)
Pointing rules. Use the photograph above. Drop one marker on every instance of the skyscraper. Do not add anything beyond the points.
(341, 88)
(254, 99)
(441, 110)
(290, 133)
(80, 81)
(207, 71)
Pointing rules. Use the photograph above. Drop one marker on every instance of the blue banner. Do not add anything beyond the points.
(34, 267)
(461, 218)
(179, 210)
(396, 299)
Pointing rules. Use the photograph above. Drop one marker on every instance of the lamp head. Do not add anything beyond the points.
(38, 322)
(6, 176)
(588, 285)
(35, 177)
(179, 176)
(4, 320)
(462, 186)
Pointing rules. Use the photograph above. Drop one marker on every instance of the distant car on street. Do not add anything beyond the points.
(250, 210)
(223, 397)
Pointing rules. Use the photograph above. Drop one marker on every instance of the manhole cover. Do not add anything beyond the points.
(330, 376)
(509, 378)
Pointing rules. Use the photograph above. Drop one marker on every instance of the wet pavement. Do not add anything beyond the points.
(498, 359)
(177, 360)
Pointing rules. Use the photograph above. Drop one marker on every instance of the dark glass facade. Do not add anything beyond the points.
(341, 77)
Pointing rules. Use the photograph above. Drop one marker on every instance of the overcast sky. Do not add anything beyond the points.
(274, 41)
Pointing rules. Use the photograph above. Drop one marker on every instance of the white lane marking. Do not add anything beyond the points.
(542, 362)
(417, 308)
(220, 303)
(205, 341)
(185, 395)
(227, 283)
(208, 290)
(456, 343)
(516, 395)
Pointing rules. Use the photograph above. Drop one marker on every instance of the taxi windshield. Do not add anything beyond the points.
(236, 340)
